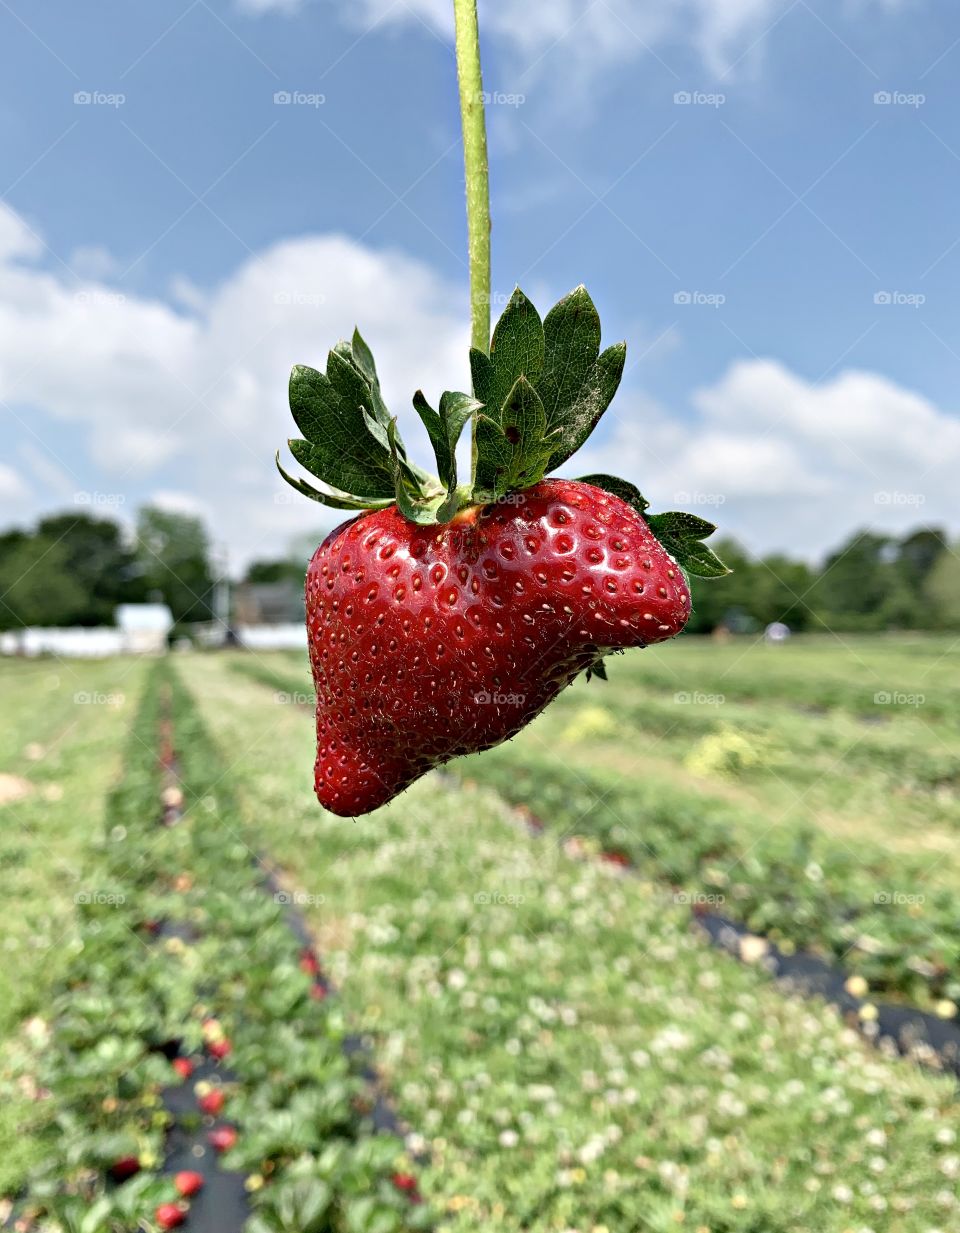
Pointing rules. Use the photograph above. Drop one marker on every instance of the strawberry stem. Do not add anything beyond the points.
(475, 168)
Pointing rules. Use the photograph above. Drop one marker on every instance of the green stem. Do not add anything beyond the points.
(475, 168)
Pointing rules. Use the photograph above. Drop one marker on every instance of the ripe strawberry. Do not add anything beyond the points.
(188, 1183)
(222, 1138)
(430, 642)
(446, 617)
(169, 1215)
(125, 1167)
(212, 1102)
(219, 1048)
(309, 962)
(183, 1066)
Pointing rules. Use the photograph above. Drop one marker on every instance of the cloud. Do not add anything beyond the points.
(199, 395)
(187, 406)
(788, 464)
(591, 35)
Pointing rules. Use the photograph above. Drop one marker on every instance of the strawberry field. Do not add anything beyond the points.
(484, 1026)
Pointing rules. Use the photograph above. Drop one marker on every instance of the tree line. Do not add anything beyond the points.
(75, 568)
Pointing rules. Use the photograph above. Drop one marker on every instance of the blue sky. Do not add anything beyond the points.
(169, 248)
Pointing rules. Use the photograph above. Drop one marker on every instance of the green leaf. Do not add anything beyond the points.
(456, 411)
(578, 420)
(435, 430)
(572, 343)
(680, 525)
(338, 448)
(517, 348)
(482, 377)
(701, 560)
(619, 488)
(330, 496)
(364, 358)
(411, 502)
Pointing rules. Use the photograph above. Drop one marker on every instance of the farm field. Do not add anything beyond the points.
(571, 1054)
(767, 780)
(567, 1053)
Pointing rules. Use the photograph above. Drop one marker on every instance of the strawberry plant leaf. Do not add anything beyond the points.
(572, 343)
(596, 393)
(435, 431)
(482, 376)
(364, 358)
(619, 488)
(412, 502)
(681, 534)
(346, 463)
(518, 345)
(329, 496)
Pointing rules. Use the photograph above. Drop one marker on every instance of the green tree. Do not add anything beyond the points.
(942, 589)
(276, 571)
(173, 553)
(36, 586)
(99, 560)
(919, 551)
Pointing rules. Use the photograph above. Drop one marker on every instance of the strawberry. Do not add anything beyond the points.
(447, 616)
(169, 1215)
(125, 1167)
(212, 1102)
(188, 1183)
(183, 1066)
(222, 1138)
(219, 1048)
(309, 962)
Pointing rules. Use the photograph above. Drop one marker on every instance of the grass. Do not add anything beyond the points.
(573, 1056)
(812, 825)
(70, 726)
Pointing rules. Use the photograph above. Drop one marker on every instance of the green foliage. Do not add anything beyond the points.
(173, 553)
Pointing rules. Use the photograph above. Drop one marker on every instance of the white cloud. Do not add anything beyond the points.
(202, 395)
(189, 407)
(590, 35)
(786, 464)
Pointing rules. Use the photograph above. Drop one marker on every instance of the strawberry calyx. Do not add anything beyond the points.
(536, 398)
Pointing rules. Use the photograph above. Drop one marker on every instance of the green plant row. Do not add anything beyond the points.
(869, 909)
(224, 967)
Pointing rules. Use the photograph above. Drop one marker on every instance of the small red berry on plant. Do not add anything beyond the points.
(222, 1138)
(188, 1183)
(212, 1102)
(170, 1215)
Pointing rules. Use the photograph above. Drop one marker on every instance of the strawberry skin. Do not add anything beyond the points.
(428, 642)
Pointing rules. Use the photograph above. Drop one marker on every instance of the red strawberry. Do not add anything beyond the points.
(404, 1181)
(222, 1138)
(125, 1167)
(446, 618)
(188, 1183)
(309, 962)
(219, 1048)
(212, 1102)
(183, 1066)
(429, 642)
(169, 1215)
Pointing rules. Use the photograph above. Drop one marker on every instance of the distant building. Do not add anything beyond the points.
(269, 603)
(144, 628)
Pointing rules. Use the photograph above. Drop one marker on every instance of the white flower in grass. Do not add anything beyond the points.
(946, 1136)
(878, 1203)
(591, 1151)
(568, 1016)
(508, 1138)
(945, 1198)
(877, 1137)
(950, 1167)
(640, 1058)
(457, 979)
(877, 1164)
(842, 1194)
(513, 1047)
